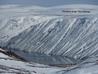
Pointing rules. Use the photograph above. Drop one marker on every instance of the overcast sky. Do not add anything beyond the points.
(48, 2)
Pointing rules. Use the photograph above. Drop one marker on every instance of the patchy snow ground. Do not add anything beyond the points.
(9, 65)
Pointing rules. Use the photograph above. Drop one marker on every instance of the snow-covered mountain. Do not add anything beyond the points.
(74, 37)
(53, 36)
(17, 10)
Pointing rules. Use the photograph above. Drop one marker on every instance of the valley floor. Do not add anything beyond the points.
(9, 65)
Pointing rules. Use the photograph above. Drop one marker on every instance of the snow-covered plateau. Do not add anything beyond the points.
(49, 40)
